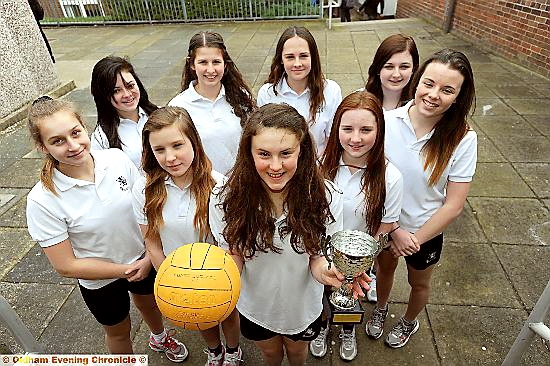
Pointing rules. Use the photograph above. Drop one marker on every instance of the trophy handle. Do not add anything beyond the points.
(326, 245)
(382, 241)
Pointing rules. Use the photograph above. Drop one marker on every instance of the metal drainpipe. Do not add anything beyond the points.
(449, 13)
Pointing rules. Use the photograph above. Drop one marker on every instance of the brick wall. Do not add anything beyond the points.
(518, 30)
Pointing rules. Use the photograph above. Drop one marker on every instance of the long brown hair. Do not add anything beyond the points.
(41, 108)
(247, 206)
(452, 127)
(155, 187)
(373, 181)
(393, 44)
(237, 92)
(315, 78)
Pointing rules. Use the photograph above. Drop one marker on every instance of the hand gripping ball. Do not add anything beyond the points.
(197, 286)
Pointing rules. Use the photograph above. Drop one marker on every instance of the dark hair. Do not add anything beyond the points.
(447, 134)
(248, 209)
(104, 76)
(41, 108)
(393, 44)
(155, 187)
(237, 92)
(315, 78)
(373, 181)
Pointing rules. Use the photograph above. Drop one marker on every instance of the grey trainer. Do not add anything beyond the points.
(375, 325)
(318, 346)
(400, 334)
(348, 347)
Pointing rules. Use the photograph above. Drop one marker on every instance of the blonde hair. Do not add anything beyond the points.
(41, 108)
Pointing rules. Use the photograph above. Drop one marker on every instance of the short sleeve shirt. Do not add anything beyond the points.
(320, 130)
(218, 126)
(355, 211)
(178, 213)
(278, 290)
(96, 217)
(403, 149)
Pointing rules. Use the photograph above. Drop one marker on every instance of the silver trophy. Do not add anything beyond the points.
(352, 252)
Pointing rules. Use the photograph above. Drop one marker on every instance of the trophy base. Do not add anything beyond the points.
(344, 316)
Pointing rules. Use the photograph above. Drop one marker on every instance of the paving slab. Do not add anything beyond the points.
(14, 244)
(519, 263)
(498, 180)
(471, 335)
(513, 220)
(537, 176)
(35, 267)
(15, 216)
(35, 303)
(466, 228)
(457, 281)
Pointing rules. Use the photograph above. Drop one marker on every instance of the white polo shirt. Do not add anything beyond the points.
(320, 130)
(178, 213)
(129, 133)
(354, 199)
(218, 126)
(421, 201)
(278, 291)
(95, 216)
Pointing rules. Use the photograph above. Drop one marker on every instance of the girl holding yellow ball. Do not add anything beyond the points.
(171, 204)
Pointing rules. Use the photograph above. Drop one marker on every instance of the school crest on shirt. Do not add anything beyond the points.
(123, 183)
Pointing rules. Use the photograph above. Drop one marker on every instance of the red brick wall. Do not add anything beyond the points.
(518, 30)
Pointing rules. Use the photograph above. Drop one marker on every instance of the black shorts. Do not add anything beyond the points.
(429, 253)
(110, 304)
(255, 332)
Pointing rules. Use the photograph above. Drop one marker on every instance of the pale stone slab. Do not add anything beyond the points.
(470, 274)
(465, 229)
(470, 335)
(35, 303)
(498, 180)
(14, 244)
(525, 267)
(537, 176)
(513, 220)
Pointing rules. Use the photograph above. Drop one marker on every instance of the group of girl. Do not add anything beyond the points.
(267, 183)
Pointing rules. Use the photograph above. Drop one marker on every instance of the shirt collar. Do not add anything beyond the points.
(403, 114)
(64, 182)
(196, 96)
(284, 88)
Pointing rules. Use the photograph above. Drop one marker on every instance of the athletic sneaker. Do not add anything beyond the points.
(174, 350)
(371, 293)
(375, 325)
(214, 360)
(233, 359)
(348, 347)
(400, 334)
(318, 346)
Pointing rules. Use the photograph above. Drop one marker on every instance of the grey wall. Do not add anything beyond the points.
(26, 69)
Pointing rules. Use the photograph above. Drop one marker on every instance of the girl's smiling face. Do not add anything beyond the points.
(275, 152)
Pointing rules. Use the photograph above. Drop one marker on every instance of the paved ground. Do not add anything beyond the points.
(496, 258)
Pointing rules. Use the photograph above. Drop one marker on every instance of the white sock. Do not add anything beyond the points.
(159, 337)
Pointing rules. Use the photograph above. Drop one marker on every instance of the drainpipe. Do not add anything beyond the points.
(449, 13)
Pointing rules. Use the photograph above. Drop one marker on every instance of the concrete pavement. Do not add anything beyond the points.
(496, 259)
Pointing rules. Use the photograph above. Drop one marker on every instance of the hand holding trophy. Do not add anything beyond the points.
(352, 252)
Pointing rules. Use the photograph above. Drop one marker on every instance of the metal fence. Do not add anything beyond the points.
(164, 11)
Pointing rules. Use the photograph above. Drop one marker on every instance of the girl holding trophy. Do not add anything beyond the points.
(373, 187)
(430, 142)
(272, 215)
